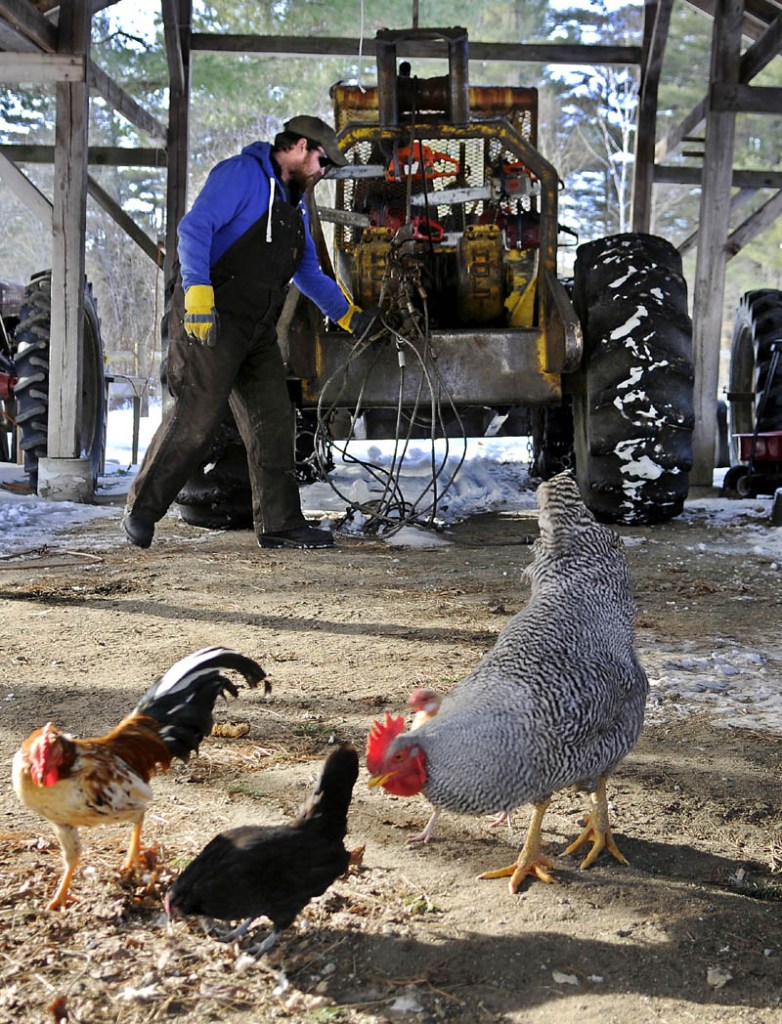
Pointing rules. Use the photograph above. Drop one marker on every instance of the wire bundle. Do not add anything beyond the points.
(389, 510)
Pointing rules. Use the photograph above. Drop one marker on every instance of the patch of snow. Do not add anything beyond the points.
(629, 325)
(737, 685)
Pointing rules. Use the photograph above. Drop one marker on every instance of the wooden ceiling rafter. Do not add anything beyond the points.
(29, 45)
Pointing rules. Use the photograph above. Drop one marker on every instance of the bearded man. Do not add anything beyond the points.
(244, 239)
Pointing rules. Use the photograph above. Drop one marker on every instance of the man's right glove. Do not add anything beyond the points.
(201, 315)
(360, 322)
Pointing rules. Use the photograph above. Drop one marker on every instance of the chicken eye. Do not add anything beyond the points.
(397, 757)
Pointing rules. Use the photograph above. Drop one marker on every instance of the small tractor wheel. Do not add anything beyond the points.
(633, 396)
(31, 361)
(744, 486)
(758, 324)
(734, 482)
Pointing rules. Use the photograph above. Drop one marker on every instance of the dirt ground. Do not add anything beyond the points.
(690, 930)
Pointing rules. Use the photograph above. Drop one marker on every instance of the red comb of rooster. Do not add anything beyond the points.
(379, 739)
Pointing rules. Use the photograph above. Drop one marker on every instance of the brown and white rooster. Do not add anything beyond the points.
(78, 783)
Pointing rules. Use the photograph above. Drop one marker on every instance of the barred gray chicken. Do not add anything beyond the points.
(558, 701)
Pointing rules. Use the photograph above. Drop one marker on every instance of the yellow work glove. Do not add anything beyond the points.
(344, 321)
(359, 321)
(201, 315)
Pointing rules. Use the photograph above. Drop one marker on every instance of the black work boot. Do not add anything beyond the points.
(138, 530)
(299, 537)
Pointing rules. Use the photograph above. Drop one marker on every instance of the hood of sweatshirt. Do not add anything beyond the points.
(262, 151)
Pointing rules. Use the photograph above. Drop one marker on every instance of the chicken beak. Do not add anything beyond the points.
(379, 780)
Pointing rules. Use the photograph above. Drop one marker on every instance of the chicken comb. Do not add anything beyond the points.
(43, 771)
(421, 696)
(380, 738)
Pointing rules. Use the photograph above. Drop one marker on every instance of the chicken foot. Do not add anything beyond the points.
(597, 829)
(428, 833)
(501, 818)
(264, 947)
(237, 933)
(530, 860)
(260, 947)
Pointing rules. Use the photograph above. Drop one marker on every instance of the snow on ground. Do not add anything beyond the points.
(737, 685)
(491, 476)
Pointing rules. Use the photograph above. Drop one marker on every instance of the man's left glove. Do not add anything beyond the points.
(360, 322)
(201, 315)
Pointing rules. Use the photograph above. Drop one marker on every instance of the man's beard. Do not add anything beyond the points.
(305, 182)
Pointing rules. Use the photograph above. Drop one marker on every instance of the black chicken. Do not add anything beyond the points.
(273, 870)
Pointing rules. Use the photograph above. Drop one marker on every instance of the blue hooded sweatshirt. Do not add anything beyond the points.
(234, 197)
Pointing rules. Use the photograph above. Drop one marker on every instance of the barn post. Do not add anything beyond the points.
(657, 16)
(63, 474)
(177, 16)
(709, 285)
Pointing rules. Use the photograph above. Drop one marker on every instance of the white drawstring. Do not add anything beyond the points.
(272, 186)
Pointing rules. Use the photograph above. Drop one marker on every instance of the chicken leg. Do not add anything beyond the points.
(70, 844)
(597, 829)
(530, 860)
(133, 857)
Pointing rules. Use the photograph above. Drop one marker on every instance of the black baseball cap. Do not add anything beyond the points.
(318, 131)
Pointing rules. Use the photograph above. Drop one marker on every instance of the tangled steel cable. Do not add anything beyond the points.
(403, 322)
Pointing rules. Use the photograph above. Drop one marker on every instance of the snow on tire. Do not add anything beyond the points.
(633, 397)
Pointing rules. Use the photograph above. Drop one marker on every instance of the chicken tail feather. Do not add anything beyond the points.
(182, 700)
(328, 807)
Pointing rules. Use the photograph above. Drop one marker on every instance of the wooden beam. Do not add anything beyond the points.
(736, 201)
(657, 17)
(685, 128)
(24, 190)
(14, 41)
(752, 62)
(29, 22)
(176, 183)
(101, 156)
(693, 176)
(746, 99)
(758, 221)
(171, 34)
(757, 14)
(124, 104)
(334, 46)
(68, 231)
(761, 52)
(128, 225)
(709, 279)
(41, 67)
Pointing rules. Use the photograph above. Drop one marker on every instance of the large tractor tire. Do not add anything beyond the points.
(758, 324)
(633, 397)
(217, 495)
(31, 361)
